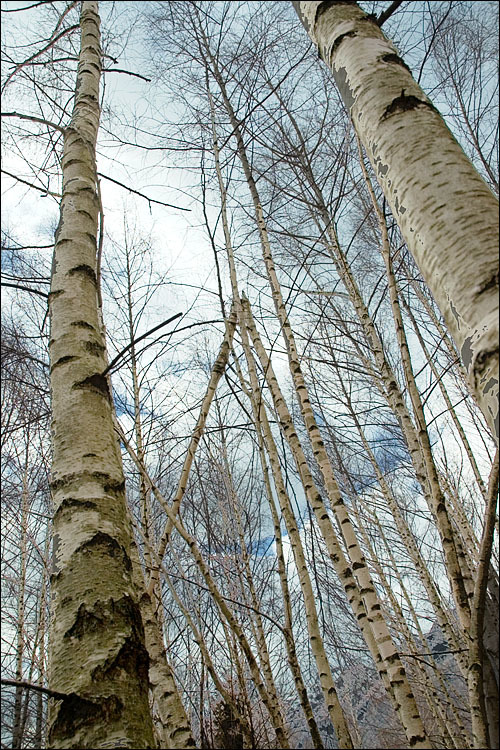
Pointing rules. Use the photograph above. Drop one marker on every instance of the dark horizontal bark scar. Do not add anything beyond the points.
(338, 41)
(85, 270)
(74, 502)
(62, 361)
(83, 324)
(322, 7)
(404, 103)
(96, 383)
(396, 59)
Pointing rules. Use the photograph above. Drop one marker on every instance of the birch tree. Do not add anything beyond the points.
(98, 660)
(416, 159)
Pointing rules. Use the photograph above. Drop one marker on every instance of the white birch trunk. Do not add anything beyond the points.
(97, 653)
(446, 212)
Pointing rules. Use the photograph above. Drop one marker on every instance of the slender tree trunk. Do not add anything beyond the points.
(404, 699)
(39, 723)
(171, 512)
(456, 564)
(97, 652)
(206, 658)
(484, 721)
(401, 697)
(259, 415)
(447, 214)
(17, 730)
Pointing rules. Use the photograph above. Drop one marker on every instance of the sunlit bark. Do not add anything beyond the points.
(97, 652)
(454, 239)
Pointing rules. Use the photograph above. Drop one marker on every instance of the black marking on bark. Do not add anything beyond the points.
(483, 358)
(111, 548)
(54, 294)
(72, 161)
(114, 487)
(83, 324)
(358, 565)
(132, 656)
(338, 41)
(399, 207)
(74, 502)
(405, 103)
(95, 383)
(491, 283)
(76, 712)
(93, 347)
(392, 658)
(369, 18)
(304, 20)
(57, 484)
(417, 738)
(327, 4)
(396, 59)
(85, 270)
(63, 361)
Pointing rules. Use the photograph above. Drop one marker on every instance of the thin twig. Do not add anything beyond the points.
(30, 184)
(136, 192)
(127, 72)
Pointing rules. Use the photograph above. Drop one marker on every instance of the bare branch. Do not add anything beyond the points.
(34, 119)
(136, 192)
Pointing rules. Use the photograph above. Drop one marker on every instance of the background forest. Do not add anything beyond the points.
(310, 483)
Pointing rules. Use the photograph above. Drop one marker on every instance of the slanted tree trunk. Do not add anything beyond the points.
(446, 212)
(97, 653)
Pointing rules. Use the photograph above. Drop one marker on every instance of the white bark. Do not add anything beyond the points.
(446, 212)
(97, 653)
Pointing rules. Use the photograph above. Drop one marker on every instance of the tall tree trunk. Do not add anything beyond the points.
(97, 652)
(17, 730)
(447, 214)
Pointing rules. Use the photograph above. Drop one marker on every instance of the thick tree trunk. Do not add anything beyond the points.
(447, 214)
(97, 652)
